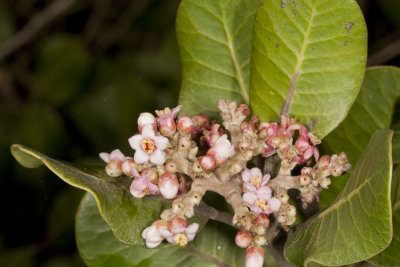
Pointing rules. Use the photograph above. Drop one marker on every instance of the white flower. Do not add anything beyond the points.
(148, 146)
(114, 155)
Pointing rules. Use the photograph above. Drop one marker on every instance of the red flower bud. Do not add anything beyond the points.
(207, 162)
(243, 239)
(185, 125)
(254, 256)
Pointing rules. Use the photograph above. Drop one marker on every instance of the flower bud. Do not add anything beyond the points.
(263, 220)
(282, 196)
(147, 118)
(113, 168)
(324, 162)
(271, 129)
(127, 166)
(167, 125)
(243, 109)
(151, 174)
(177, 225)
(168, 185)
(243, 239)
(334, 171)
(201, 120)
(342, 158)
(304, 180)
(291, 211)
(171, 167)
(274, 141)
(207, 162)
(260, 240)
(306, 171)
(177, 205)
(254, 256)
(243, 146)
(184, 143)
(185, 125)
(302, 144)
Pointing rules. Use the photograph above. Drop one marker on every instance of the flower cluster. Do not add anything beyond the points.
(182, 158)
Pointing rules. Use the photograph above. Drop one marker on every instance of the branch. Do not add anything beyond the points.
(387, 53)
(37, 23)
(207, 211)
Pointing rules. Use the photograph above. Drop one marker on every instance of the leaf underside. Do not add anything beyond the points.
(126, 215)
(372, 110)
(308, 59)
(391, 256)
(214, 38)
(358, 225)
(213, 246)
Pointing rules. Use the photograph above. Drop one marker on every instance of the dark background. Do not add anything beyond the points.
(74, 75)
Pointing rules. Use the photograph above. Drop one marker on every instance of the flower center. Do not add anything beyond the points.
(262, 204)
(148, 146)
(181, 239)
(256, 181)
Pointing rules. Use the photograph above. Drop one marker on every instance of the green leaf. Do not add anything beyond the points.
(372, 110)
(213, 246)
(126, 215)
(215, 42)
(390, 256)
(308, 59)
(61, 69)
(358, 225)
(396, 148)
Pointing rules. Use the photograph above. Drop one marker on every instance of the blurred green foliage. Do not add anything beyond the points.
(70, 94)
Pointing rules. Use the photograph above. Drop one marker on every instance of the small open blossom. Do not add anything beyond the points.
(260, 201)
(222, 150)
(143, 184)
(148, 146)
(114, 155)
(152, 233)
(253, 179)
(114, 162)
(179, 232)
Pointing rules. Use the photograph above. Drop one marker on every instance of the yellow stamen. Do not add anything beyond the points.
(256, 181)
(261, 203)
(148, 146)
(181, 239)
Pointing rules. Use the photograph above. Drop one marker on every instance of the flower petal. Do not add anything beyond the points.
(264, 192)
(158, 157)
(192, 228)
(141, 157)
(105, 157)
(153, 188)
(250, 187)
(117, 154)
(161, 142)
(148, 131)
(152, 244)
(165, 233)
(246, 175)
(249, 197)
(134, 141)
(309, 153)
(274, 204)
(265, 179)
(256, 172)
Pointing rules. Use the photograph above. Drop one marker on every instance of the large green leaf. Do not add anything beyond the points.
(126, 215)
(358, 225)
(390, 256)
(372, 110)
(214, 246)
(215, 42)
(308, 59)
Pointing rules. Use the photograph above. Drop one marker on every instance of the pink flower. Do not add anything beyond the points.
(306, 145)
(179, 232)
(152, 233)
(148, 146)
(253, 179)
(143, 184)
(260, 201)
(145, 119)
(222, 150)
(213, 135)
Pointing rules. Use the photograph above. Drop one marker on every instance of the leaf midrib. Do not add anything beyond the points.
(293, 80)
(238, 70)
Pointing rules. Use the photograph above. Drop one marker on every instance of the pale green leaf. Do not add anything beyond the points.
(126, 215)
(215, 42)
(358, 225)
(391, 256)
(372, 110)
(308, 59)
(213, 246)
